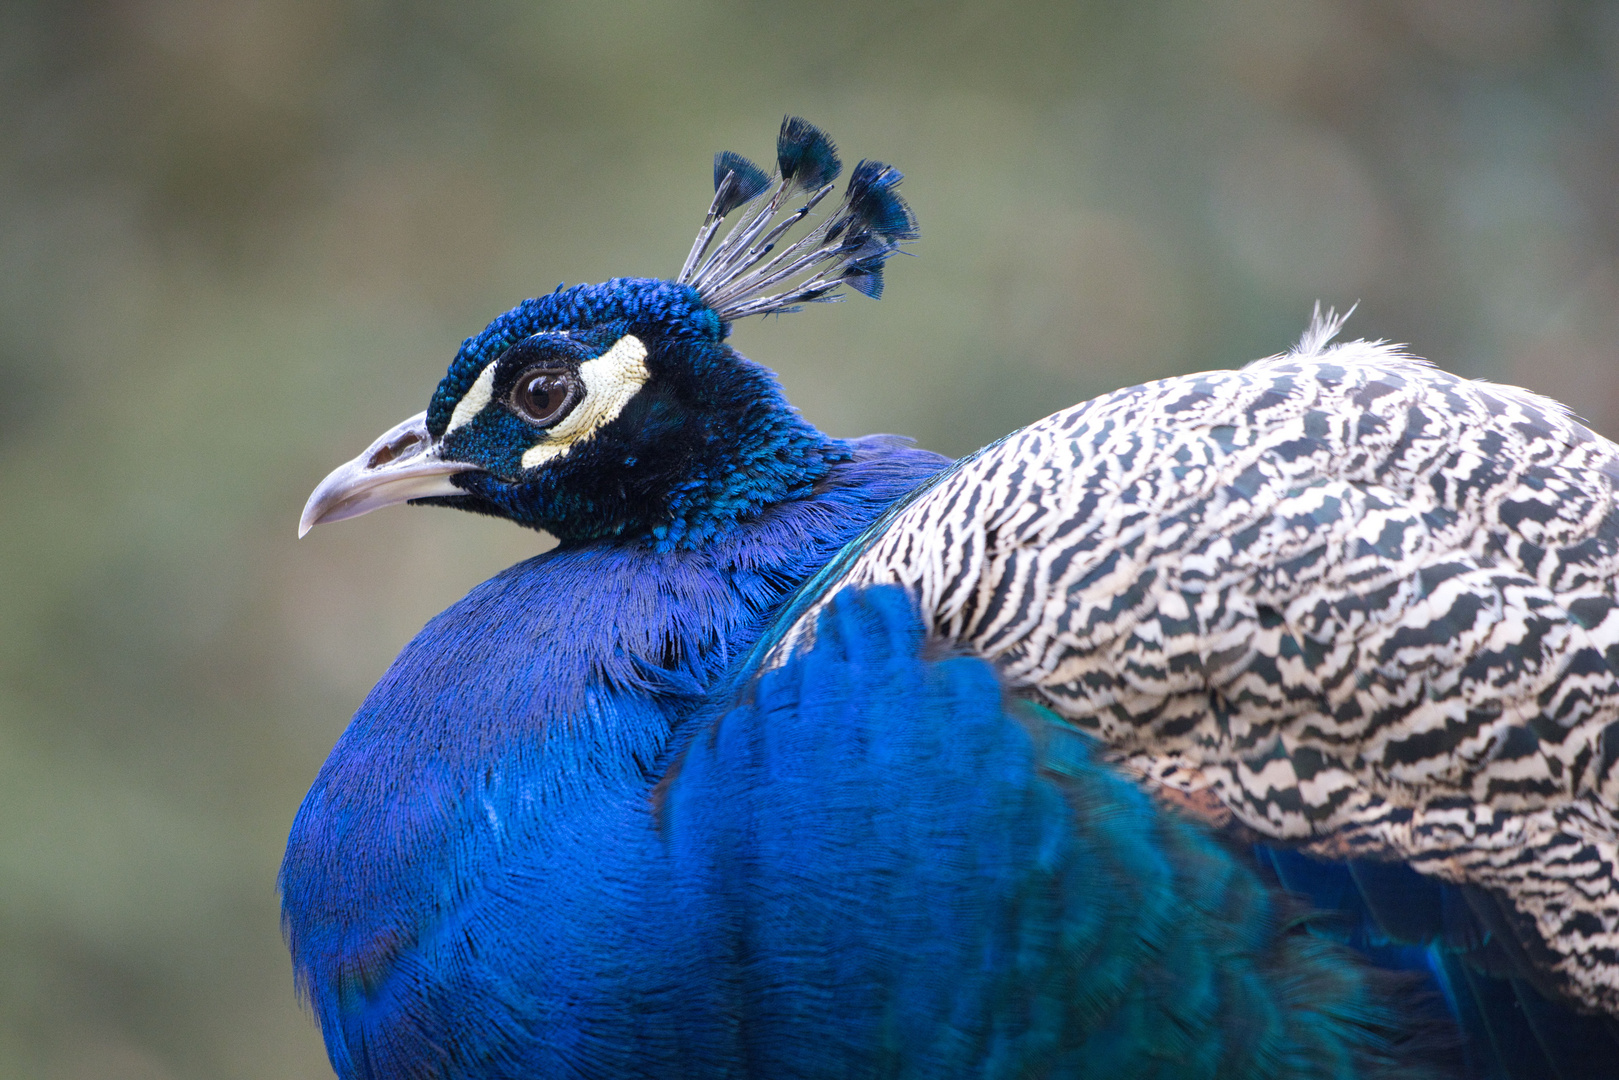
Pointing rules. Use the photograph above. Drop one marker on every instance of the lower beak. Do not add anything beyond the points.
(403, 464)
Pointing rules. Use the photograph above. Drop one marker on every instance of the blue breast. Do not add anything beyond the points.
(475, 877)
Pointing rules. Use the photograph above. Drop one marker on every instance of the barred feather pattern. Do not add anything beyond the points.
(1367, 604)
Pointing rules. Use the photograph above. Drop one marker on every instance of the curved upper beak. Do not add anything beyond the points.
(403, 464)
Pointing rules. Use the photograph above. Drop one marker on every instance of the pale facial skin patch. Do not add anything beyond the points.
(473, 401)
(610, 379)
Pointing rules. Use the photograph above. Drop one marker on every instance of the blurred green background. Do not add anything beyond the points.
(239, 239)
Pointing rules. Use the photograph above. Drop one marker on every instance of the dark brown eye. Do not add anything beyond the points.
(543, 395)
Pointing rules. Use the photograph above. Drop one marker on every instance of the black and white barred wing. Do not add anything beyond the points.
(1369, 605)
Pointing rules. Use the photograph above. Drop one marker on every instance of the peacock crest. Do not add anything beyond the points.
(745, 273)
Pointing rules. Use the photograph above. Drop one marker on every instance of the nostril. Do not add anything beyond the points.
(404, 446)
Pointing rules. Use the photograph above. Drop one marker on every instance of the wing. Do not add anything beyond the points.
(1449, 938)
(920, 876)
(1367, 604)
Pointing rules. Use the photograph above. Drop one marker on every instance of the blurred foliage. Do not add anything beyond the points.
(237, 239)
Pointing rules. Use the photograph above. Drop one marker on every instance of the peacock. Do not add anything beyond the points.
(1255, 723)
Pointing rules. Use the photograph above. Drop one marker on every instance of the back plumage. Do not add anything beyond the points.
(1366, 604)
(700, 792)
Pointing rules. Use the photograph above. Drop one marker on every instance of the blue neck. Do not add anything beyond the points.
(760, 453)
(521, 734)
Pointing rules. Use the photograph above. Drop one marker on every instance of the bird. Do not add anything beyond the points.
(1249, 723)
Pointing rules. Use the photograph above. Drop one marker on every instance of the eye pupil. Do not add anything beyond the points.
(542, 397)
(545, 394)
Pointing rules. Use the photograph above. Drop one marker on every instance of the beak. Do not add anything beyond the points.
(403, 464)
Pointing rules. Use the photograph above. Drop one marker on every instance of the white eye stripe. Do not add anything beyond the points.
(473, 401)
(610, 379)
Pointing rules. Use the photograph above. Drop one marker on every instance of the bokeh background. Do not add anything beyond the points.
(238, 239)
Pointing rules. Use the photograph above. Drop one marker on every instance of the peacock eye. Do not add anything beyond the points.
(544, 395)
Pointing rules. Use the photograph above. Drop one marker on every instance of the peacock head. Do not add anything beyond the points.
(618, 409)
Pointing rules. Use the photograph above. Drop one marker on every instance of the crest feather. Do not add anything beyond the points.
(850, 247)
(749, 181)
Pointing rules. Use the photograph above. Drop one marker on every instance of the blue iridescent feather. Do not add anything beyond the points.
(930, 878)
(589, 824)
(748, 180)
(805, 156)
(481, 833)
